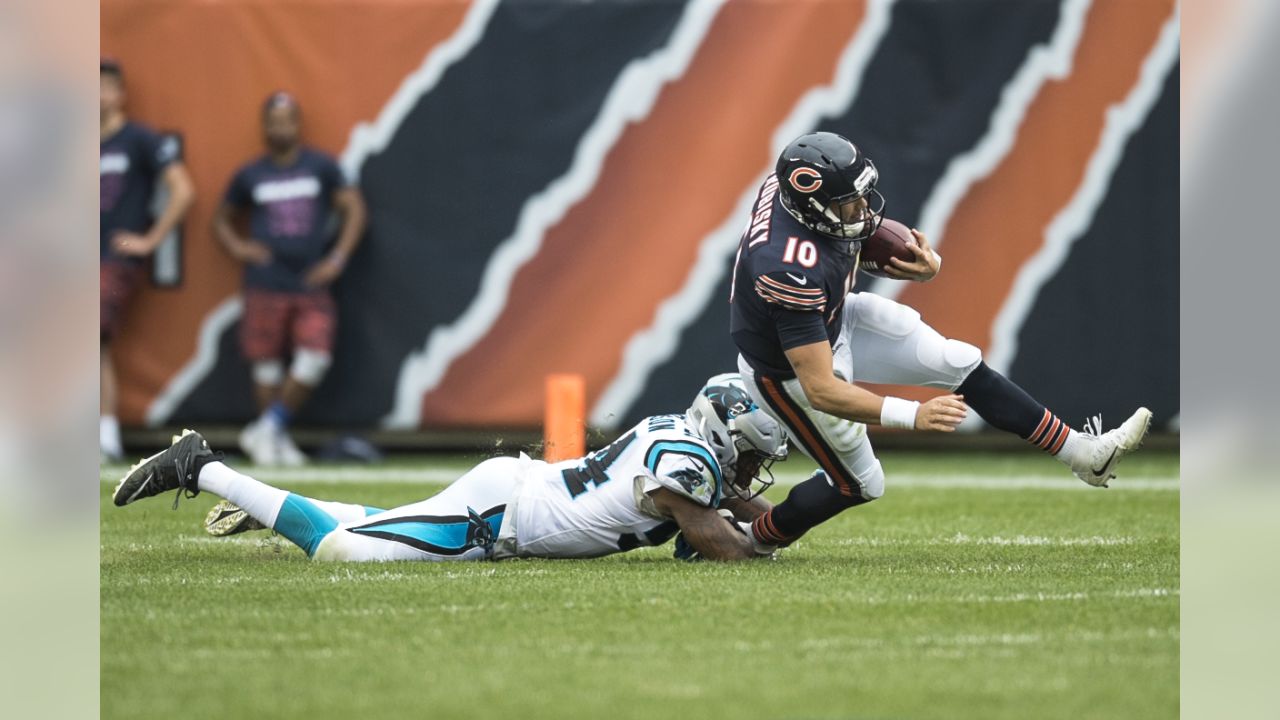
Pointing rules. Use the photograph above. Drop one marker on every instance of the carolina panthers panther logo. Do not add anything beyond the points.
(730, 402)
(688, 477)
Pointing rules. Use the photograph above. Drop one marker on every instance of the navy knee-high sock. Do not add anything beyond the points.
(1008, 407)
(809, 504)
(1000, 402)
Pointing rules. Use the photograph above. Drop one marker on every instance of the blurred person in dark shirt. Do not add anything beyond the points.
(132, 161)
(288, 197)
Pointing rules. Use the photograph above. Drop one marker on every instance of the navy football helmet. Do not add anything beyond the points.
(829, 185)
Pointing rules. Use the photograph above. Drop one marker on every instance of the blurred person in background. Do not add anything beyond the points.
(289, 195)
(131, 160)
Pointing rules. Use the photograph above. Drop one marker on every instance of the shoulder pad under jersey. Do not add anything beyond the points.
(685, 467)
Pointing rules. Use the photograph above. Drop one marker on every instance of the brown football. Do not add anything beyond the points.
(889, 240)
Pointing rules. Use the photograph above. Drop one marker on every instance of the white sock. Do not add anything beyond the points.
(109, 436)
(1075, 445)
(259, 499)
(265, 500)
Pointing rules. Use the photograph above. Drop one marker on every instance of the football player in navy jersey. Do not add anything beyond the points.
(290, 259)
(132, 161)
(804, 339)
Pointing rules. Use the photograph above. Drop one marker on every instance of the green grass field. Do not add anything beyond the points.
(978, 587)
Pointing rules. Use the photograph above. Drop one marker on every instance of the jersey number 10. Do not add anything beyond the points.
(802, 250)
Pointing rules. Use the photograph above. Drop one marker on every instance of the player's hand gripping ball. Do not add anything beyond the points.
(891, 239)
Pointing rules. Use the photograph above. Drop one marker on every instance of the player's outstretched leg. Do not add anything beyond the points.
(190, 466)
(226, 518)
(886, 342)
(1092, 455)
(460, 523)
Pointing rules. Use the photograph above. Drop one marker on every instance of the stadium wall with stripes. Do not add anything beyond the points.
(559, 186)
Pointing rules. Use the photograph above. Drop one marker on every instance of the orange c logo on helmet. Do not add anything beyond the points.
(798, 179)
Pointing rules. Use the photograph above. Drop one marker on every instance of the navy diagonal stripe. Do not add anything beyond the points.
(502, 124)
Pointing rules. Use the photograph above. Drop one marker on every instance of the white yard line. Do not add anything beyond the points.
(321, 475)
(998, 540)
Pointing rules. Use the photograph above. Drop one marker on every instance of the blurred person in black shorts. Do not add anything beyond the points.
(289, 195)
(131, 160)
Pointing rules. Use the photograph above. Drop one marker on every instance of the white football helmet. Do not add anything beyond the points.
(745, 439)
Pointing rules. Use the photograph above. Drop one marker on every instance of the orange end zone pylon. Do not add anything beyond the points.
(564, 426)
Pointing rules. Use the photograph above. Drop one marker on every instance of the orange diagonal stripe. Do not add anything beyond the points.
(204, 68)
(668, 182)
(1001, 222)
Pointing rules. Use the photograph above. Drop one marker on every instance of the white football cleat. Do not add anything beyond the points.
(287, 452)
(258, 441)
(1097, 466)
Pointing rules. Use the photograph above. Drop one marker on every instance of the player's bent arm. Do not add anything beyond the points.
(708, 533)
(182, 193)
(350, 204)
(827, 393)
(224, 227)
(243, 249)
(746, 510)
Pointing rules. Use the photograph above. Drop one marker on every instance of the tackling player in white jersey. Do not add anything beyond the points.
(668, 474)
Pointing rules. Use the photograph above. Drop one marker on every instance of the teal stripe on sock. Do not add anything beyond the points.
(303, 523)
(372, 511)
